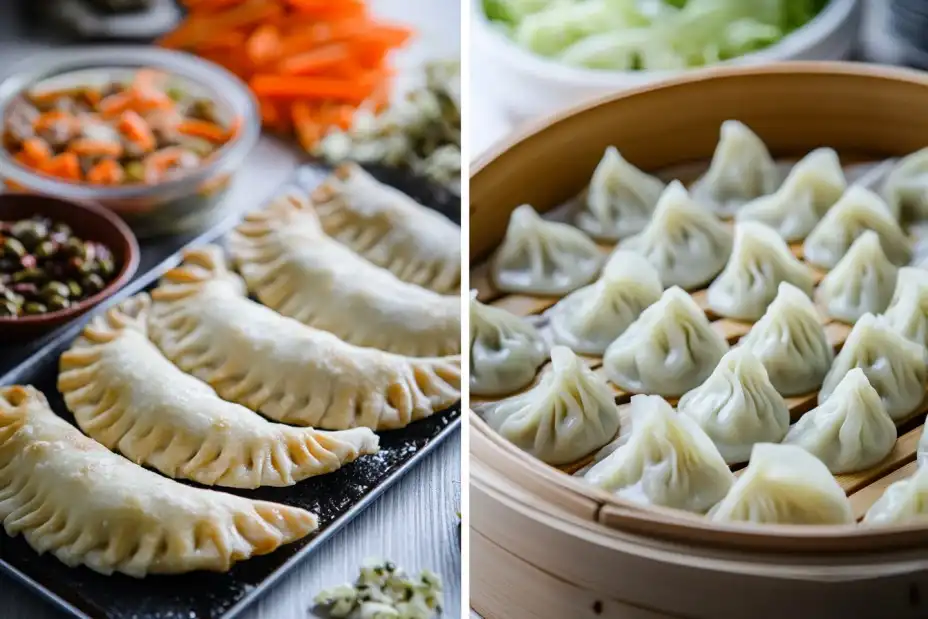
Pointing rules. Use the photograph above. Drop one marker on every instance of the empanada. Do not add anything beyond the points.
(296, 269)
(203, 322)
(127, 396)
(69, 495)
(417, 244)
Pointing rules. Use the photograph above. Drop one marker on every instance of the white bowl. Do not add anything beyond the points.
(526, 85)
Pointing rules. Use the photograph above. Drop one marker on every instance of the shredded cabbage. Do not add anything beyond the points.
(630, 35)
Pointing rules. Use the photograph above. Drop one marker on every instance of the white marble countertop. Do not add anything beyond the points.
(414, 523)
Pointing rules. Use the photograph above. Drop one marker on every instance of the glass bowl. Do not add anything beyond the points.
(181, 204)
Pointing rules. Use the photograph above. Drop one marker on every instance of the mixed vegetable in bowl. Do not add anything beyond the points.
(651, 35)
(145, 129)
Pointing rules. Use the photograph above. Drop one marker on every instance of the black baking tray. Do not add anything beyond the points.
(336, 498)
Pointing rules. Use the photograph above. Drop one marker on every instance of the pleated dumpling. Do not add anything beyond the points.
(851, 431)
(737, 406)
(904, 501)
(857, 211)
(861, 283)
(620, 199)
(790, 341)
(589, 319)
(814, 184)
(505, 350)
(570, 413)
(667, 460)
(893, 365)
(687, 244)
(543, 257)
(741, 170)
(785, 484)
(908, 309)
(759, 263)
(669, 350)
(906, 187)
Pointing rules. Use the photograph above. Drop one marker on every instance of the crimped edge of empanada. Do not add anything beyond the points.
(419, 386)
(374, 238)
(50, 521)
(281, 456)
(254, 247)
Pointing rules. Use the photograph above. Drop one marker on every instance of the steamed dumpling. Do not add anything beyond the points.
(687, 245)
(669, 350)
(759, 262)
(505, 350)
(851, 431)
(737, 406)
(619, 200)
(784, 484)
(812, 186)
(856, 212)
(904, 501)
(907, 313)
(741, 170)
(906, 187)
(543, 257)
(667, 460)
(570, 413)
(791, 343)
(589, 319)
(893, 365)
(861, 283)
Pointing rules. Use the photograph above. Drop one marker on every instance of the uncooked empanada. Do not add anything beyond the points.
(296, 269)
(543, 257)
(127, 396)
(620, 199)
(741, 170)
(417, 244)
(71, 496)
(812, 186)
(203, 322)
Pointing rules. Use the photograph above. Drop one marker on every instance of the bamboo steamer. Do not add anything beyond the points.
(545, 545)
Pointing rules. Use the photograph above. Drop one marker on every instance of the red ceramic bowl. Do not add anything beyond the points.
(89, 222)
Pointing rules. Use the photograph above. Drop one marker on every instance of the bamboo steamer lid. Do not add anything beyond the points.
(546, 545)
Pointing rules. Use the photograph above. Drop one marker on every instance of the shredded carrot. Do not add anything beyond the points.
(263, 44)
(311, 88)
(49, 120)
(316, 61)
(202, 129)
(137, 130)
(310, 63)
(116, 104)
(37, 151)
(14, 186)
(86, 147)
(107, 172)
(65, 165)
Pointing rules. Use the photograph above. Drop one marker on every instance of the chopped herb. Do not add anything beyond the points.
(382, 591)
